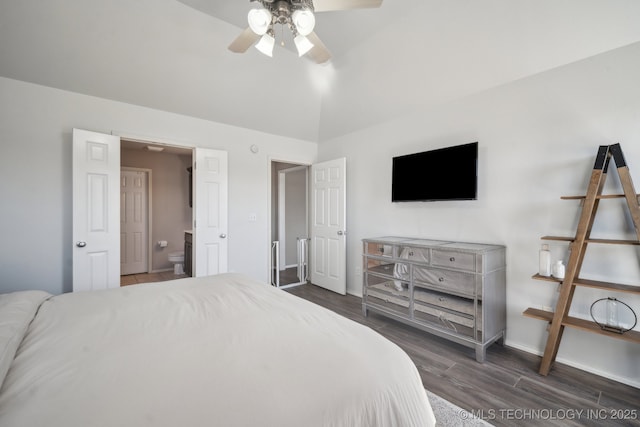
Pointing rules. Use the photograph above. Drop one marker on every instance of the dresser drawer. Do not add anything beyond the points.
(387, 284)
(414, 254)
(451, 259)
(384, 294)
(448, 280)
(380, 266)
(440, 299)
(380, 249)
(456, 322)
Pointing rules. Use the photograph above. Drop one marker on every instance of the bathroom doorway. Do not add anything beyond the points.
(158, 224)
(289, 225)
(96, 205)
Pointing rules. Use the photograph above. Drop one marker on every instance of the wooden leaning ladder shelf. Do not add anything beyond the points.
(578, 246)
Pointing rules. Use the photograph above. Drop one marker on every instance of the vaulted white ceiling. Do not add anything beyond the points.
(405, 56)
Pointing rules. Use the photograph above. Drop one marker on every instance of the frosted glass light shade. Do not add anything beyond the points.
(265, 45)
(304, 20)
(259, 20)
(303, 44)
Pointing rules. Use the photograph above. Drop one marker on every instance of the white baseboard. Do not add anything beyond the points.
(573, 364)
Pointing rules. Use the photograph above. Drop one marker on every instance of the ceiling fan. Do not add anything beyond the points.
(298, 16)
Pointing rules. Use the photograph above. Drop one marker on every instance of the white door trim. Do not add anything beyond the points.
(282, 218)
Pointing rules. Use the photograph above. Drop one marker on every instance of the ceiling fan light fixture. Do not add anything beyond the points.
(259, 20)
(265, 44)
(303, 44)
(304, 20)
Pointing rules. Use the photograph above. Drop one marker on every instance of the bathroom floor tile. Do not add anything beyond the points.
(162, 276)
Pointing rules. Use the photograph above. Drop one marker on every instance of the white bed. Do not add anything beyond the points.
(216, 351)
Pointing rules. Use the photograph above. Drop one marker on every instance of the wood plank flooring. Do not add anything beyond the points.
(506, 390)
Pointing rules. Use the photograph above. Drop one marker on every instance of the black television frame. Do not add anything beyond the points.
(452, 172)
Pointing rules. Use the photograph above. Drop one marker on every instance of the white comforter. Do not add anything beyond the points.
(217, 351)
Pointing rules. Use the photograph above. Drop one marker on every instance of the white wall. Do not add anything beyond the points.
(36, 123)
(537, 141)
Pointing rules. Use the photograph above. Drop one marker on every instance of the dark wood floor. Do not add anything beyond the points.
(506, 390)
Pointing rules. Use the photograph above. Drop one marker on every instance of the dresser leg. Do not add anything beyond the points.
(500, 340)
(480, 353)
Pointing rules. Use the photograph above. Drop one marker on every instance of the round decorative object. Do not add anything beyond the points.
(617, 315)
(254, 149)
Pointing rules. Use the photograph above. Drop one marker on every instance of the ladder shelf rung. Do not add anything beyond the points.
(582, 324)
(603, 241)
(602, 196)
(618, 287)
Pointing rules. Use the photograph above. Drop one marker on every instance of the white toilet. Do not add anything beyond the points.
(177, 258)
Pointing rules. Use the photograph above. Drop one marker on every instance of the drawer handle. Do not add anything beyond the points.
(442, 299)
(411, 253)
(452, 259)
(440, 279)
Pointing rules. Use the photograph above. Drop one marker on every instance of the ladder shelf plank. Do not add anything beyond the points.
(582, 324)
(603, 241)
(618, 287)
(601, 196)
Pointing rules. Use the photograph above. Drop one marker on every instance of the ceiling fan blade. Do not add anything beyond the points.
(243, 41)
(328, 5)
(319, 52)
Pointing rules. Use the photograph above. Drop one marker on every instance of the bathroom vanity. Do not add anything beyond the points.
(188, 250)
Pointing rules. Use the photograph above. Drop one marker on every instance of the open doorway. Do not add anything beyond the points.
(289, 224)
(96, 207)
(155, 212)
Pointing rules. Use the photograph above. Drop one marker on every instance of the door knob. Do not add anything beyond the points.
(222, 236)
(340, 232)
(81, 244)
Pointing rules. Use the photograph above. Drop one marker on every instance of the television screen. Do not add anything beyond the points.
(448, 173)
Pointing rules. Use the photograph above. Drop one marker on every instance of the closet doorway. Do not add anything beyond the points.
(289, 225)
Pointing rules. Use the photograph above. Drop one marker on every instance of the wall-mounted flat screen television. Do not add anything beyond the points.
(449, 173)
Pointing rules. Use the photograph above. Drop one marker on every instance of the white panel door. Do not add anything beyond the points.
(133, 222)
(328, 234)
(96, 214)
(210, 207)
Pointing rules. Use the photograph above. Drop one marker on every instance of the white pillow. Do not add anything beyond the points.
(17, 310)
